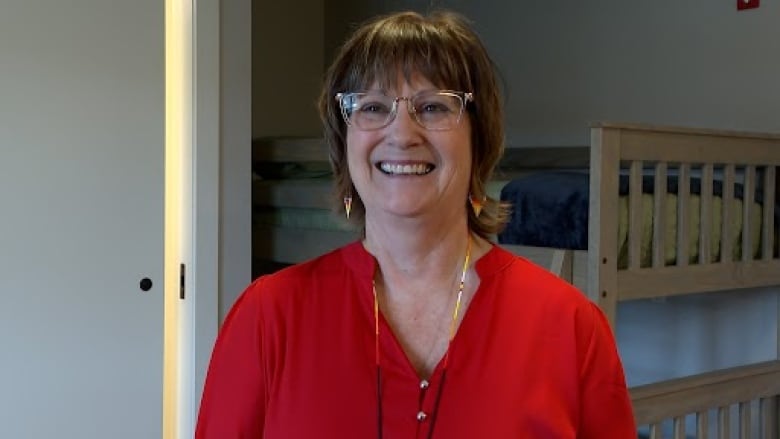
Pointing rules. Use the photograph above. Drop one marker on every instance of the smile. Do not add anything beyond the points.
(405, 169)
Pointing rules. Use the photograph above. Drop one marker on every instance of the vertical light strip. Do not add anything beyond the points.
(173, 170)
(178, 186)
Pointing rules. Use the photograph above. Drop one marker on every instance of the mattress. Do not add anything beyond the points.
(551, 210)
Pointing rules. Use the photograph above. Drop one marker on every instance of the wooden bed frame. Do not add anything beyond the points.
(721, 401)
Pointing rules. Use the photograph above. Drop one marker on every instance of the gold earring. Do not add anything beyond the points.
(477, 204)
(348, 204)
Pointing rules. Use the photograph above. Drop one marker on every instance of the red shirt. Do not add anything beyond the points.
(295, 359)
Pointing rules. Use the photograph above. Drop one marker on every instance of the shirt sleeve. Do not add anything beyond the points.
(605, 408)
(235, 393)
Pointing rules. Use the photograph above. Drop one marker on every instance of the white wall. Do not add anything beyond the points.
(699, 63)
(684, 335)
(568, 63)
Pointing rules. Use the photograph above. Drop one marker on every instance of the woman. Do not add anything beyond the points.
(423, 328)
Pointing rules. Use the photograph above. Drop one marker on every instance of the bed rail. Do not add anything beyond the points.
(740, 402)
(749, 160)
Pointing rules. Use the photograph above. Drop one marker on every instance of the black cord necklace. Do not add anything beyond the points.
(453, 323)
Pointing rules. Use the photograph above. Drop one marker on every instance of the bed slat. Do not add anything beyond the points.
(702, 424)
(683, 213)
(705, 216)
(744, 420)
(679, 427)
(769, 417)
(635, 215)
(767, 223)
(659, 215)
(726, 238)
(747, 210)
(724, 425)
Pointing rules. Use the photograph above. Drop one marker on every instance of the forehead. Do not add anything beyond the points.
(403, 83)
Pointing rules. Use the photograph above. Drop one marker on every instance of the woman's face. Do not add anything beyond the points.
(406, 170)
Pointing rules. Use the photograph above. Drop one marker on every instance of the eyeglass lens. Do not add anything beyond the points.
(434, 110)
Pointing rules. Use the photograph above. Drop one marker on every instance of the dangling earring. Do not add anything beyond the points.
(477, 204)
(348, 204)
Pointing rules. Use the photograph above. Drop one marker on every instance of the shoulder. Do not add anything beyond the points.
(519, 288)
(295, 281)
(529, 282)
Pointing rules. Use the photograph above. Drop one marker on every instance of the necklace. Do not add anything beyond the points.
(445, 361)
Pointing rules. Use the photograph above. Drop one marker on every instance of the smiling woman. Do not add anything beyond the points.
(413, 163)
(423, 328)
(441, 51)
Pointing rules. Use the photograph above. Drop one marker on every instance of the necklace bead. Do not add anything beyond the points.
(424, 384)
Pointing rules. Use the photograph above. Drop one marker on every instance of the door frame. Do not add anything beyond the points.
(208, 54)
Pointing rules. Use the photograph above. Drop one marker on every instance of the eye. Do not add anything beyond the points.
(374, 107)
(436, 104)
(433, 107)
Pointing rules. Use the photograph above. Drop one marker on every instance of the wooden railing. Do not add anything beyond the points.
(720, 401)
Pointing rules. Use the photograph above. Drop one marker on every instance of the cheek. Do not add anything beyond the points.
(356, 157)
(462, 151)
(358, 146)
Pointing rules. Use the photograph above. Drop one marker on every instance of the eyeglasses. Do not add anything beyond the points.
(434, 110)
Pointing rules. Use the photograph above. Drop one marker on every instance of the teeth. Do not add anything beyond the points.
(416, 169)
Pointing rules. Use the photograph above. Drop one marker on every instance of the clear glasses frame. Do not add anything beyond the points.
(436, 110)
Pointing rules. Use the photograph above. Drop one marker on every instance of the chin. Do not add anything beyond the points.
(400, 209)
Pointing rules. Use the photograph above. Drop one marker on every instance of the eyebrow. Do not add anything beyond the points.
(385, 92)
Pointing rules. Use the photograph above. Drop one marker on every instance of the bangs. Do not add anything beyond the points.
(404, 46)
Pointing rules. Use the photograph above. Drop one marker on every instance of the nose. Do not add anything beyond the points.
(404, 131)
(404, 109)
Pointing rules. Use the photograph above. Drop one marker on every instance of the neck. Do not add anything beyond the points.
(421, 311)
(417, 250)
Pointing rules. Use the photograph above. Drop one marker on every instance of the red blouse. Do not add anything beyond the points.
(295, 359)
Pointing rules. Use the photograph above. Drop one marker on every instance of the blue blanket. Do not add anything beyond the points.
(550, 209)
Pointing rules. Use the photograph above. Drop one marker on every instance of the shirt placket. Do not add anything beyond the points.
(425, 408)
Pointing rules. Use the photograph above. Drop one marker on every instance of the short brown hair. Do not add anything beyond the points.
(445, 49)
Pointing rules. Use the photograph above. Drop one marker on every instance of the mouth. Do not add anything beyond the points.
(405, 168)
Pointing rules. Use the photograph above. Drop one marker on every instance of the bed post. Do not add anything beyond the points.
(603, 221)
(562, 264)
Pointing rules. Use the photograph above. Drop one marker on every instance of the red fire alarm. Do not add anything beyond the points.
(747, 4)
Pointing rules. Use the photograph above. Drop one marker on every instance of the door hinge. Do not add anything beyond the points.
(181, 281)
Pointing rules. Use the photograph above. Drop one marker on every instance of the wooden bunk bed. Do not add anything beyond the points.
(739, 402)
(738, 156)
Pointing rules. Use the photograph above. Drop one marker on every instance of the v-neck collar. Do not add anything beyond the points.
(363, 266)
